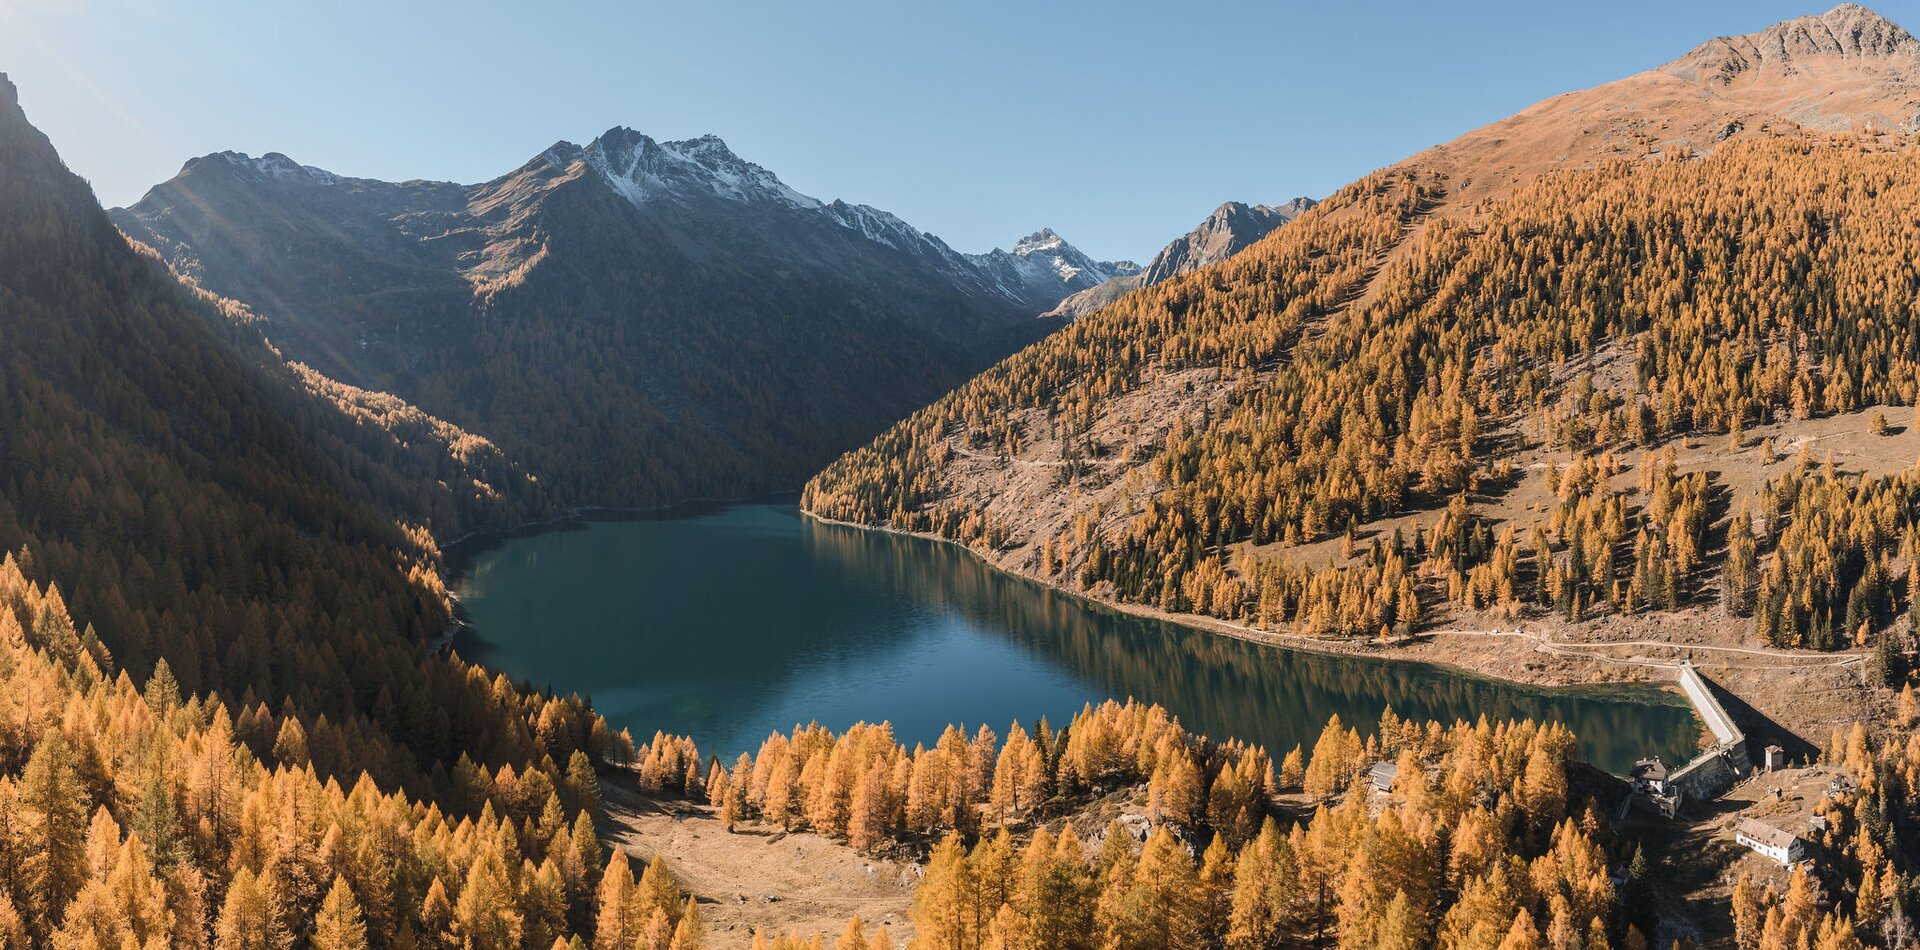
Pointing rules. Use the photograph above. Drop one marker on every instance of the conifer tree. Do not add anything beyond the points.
(1637, 896)
(657, 891)
(436, 915)
(854, 937)
(290, 745)
(485, 918)
(52, 806)
(941, 915)
(690, 932)
(619, 923)
(339, 925)
(583, 786)
(247, 919)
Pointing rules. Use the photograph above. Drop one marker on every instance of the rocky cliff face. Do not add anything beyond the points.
(1847, 32)
(1231, 228)
(1228, 230)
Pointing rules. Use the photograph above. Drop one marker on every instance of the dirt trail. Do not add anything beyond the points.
(1592, 648)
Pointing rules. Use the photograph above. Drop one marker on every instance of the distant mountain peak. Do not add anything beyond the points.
(1230, 228)
(1039, 242)
(1044, 256)
(642, 169)
(273, 166)
(1848, 32)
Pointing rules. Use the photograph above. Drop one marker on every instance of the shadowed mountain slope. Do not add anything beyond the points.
(636, 322)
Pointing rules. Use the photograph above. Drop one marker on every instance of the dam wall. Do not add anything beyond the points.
(1714, 770)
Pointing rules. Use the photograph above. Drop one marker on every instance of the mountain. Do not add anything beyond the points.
(1229, 229)
(1802, 54)
(635, 322)
(189, 498)
(180, 508)
(1226, 232)
(1572, 371)
(1042, 265)
(1847, 69)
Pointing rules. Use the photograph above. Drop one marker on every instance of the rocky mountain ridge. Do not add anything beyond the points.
(733, 332)
(1231, 228)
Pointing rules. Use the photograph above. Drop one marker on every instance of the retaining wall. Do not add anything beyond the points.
(1716, 769)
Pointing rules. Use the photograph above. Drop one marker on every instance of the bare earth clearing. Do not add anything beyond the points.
(760, 879)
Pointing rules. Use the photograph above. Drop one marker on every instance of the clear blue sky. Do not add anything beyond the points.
(1118, 124)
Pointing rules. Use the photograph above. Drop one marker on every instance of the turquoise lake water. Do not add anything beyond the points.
(731, 623)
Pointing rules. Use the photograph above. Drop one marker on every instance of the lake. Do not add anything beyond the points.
(729, 623)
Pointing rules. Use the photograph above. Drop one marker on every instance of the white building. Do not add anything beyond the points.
(1783, 847)
(1650, 777)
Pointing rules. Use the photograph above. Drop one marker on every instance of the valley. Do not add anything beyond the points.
(636, 323)
(375, 574)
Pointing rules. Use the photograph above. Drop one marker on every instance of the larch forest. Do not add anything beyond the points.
(1585, 391)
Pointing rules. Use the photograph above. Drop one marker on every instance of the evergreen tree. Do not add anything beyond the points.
(52, 820)
(1637, 896)
(339, 925)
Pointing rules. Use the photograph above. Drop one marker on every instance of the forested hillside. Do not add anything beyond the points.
(1518, 377)
(1602, 394)
(301, 769)
(1407, 404)
(197, 504)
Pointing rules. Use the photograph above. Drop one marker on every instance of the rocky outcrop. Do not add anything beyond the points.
(1231, 228)
(1848, 31)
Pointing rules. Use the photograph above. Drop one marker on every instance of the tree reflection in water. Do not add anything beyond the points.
(1223, 686)
(731, 622)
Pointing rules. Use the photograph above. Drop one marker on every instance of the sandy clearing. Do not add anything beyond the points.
(760, 880)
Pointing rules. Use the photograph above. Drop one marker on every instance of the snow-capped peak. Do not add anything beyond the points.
(273, 166)
(1046, 248)
(642, 169)
(1040, 242)
(1044, 266)
(1040, 270)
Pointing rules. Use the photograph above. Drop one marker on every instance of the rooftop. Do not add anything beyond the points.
(1766, 834)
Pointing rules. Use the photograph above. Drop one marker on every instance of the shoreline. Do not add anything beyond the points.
(457, 558)
(1793, 699)
(1271, 638)
(1543, 662)
(457, 555)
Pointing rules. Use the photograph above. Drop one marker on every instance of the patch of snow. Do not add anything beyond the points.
(277, 167)
(1040, 269)
(641, 169)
